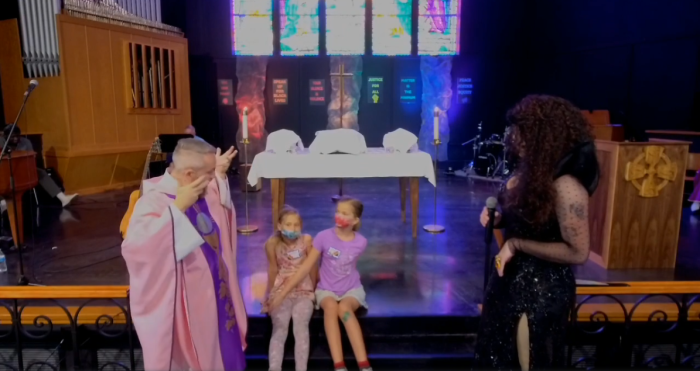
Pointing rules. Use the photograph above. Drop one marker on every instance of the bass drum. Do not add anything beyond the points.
(487, 158)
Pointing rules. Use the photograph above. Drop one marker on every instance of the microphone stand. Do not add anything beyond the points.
(23, 281)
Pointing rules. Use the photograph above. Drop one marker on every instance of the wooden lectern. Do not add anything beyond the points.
(25, 175)
(635, 213)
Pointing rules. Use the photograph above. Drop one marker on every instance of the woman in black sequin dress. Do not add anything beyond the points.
(545, 218)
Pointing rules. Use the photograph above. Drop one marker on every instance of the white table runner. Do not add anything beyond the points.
(376, 163)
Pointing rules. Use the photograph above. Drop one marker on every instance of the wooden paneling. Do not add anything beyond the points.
(643, 288)
(111, 170)
(599, 215)
(597, 117)
(126, 123)
(615, 133)
(165, 124)
(102, 83)
(45, 110)
(102, 54)
(64, 292)
(638, 232)
(11, 69)
(76, 73)
(90, 136)
(693, 161)
(674, 132)
(128, 167)
(147, 128)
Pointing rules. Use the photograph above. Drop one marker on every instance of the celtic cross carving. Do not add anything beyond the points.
(651, 171)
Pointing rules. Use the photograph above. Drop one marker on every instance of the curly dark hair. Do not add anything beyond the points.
(543, 130)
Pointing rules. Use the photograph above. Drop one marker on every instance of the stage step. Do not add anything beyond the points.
(427, 342)
(381, 362)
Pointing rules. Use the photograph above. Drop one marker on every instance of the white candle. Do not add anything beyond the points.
(245, 123)
(436, 124)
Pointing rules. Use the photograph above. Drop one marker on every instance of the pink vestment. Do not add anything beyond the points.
(172, 294)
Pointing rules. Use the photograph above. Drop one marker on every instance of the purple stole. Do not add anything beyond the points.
(229, 335)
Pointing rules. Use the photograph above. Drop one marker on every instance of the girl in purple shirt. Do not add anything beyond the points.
(339, 292)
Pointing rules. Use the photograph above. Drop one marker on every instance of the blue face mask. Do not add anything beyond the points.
(292, 235)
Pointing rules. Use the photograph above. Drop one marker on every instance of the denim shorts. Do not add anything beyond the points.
(357, 293)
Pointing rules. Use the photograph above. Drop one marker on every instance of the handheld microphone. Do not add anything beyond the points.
(491, 204)
(32, 85)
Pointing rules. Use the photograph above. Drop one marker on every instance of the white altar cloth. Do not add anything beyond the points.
(376, 163)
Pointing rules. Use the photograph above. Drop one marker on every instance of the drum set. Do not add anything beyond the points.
(489, 161)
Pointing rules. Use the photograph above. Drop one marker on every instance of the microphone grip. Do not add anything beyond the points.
(488, 238)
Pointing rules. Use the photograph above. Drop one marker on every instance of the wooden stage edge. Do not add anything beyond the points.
(92, 314)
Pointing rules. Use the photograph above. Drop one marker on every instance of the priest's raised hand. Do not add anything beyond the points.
(223, 161)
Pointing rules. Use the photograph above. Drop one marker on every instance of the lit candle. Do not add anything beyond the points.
(245, 123)
(436, 124)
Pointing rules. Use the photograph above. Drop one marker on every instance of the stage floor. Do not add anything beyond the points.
(431, 275)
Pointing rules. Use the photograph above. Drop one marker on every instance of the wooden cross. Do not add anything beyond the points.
(342, 75)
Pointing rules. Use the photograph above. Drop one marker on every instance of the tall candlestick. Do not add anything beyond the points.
(245, 123)
(436, 124)
(247, 228)
(435, 228)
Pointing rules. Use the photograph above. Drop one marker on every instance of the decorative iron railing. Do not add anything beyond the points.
(63, 328)
(639, 325)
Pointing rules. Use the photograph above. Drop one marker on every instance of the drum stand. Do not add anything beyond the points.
(469, 168)
(502, 167)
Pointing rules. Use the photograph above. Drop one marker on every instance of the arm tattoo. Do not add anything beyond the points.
(578, 209)
(572, 211)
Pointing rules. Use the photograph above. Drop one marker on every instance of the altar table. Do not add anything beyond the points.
(376, 163)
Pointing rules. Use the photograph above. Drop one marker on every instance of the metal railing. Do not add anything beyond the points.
(641, 325)
(59, 328)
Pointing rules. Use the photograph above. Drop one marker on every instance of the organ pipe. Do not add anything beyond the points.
(37, 25)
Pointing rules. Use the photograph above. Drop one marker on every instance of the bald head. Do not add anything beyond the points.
(192, 159)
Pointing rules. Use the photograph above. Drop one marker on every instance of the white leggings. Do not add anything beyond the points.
(300, 311)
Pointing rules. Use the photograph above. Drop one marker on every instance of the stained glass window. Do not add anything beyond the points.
(252, 27)
(391, 27)
(438, 27)
(299, 27)
(345, 27)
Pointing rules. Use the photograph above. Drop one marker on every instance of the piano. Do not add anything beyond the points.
(26, 178)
